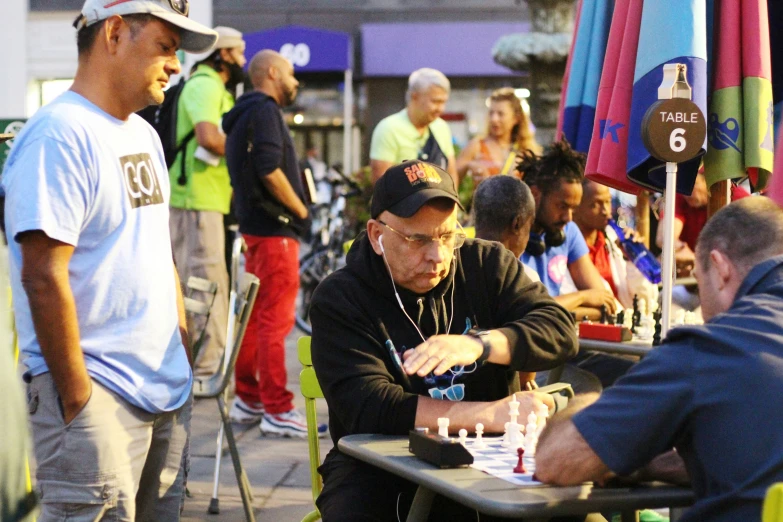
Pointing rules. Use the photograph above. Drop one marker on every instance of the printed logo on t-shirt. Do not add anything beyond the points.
(141, 180)
(557, 268)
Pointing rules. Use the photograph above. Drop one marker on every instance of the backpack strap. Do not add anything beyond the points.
(182, 180)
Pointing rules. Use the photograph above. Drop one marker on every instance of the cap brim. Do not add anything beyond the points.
(195, 37)
(6, 137)
(410, 205)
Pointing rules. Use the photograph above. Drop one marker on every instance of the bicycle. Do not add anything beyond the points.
(329, 234)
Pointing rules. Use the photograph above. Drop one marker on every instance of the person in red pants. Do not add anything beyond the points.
(264, 173)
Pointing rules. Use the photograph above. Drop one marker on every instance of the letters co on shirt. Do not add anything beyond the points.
(141, 180)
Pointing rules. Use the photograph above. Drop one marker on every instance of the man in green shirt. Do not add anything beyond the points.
(416, 130)
(201, 189)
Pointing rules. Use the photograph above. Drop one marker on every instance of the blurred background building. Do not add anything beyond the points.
(386, 40)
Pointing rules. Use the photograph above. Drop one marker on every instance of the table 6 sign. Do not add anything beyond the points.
(674, 130)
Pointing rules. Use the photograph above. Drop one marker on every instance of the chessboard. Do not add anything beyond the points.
(500, 462)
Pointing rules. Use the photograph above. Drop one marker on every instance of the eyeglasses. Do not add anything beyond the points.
(452, 240)
(180, 6)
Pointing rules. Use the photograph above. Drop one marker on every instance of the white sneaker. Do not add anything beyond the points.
(244, 413)
(289, 424)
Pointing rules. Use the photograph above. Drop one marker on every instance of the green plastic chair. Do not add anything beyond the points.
(773, 504)
(311, 391)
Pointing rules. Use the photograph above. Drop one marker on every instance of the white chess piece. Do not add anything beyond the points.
(463, 436)
(513, 409)
(530, 433)
(543, 415)
(443, 427)
(646, 329)
(628, 318)
(506, 437)
(479, 442)
(679, 317)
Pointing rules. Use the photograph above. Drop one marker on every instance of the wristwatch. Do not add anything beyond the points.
(483, 336)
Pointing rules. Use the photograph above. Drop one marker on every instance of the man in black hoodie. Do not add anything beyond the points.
(461, 314)
(268, 198)
(711, 391)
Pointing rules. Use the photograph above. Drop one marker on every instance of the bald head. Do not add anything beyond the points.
(595, 209)
(262, 62)
(273, 74)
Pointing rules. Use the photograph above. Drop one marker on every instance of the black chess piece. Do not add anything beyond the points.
(621, 317)
(657, 334)
(604, 314)
(636, 318)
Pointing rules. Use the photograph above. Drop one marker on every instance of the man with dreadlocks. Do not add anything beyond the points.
(556, 247)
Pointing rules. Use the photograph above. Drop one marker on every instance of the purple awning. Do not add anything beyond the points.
(454, 48)
(309, 49)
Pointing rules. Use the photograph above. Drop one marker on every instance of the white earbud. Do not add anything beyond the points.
(380, 243)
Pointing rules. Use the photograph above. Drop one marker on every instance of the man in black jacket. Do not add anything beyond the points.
(268, 198)
(412, 288)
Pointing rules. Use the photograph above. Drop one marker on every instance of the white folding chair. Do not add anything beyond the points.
(241, 300)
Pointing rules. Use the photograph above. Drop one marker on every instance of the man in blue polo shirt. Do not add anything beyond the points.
(712, 392)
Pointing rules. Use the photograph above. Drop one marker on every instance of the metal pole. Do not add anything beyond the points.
(674, 85)
(667, 270)
(347, 122)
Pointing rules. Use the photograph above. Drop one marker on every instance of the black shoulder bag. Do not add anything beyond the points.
(432, 153)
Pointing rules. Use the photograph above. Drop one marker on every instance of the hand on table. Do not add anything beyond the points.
(529, 401)
(440, 352)
(527, 381)
(684, 260)
(598, 298)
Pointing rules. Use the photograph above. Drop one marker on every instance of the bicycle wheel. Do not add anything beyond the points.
(313, 269)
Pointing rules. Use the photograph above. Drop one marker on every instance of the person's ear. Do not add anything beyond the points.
(112, 28)
(516, 224)
(537, 194)
(374, 233)
(723, 266)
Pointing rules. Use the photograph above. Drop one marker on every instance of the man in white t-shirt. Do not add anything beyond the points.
(98, 305)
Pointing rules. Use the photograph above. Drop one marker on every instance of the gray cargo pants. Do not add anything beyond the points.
(113, 461)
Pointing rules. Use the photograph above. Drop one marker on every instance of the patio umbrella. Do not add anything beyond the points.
(775, 190)
(740, 126)
(583, 72)
(672, 31)
(606, 160)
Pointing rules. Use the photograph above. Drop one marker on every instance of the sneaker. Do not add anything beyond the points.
(242, 412)
(289, 424)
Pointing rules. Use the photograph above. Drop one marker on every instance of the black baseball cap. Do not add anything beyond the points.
(405, 188)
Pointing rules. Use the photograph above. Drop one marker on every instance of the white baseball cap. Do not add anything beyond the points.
(195, 37)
